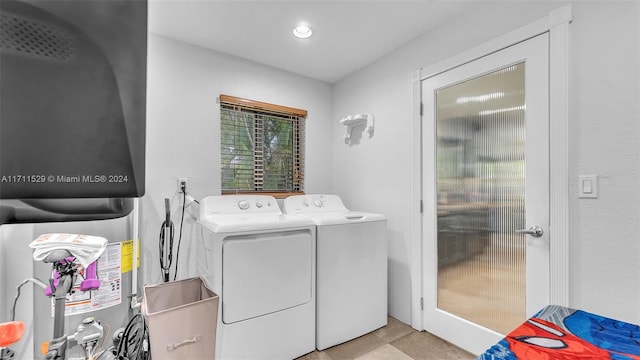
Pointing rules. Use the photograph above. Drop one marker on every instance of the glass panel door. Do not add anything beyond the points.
(485, 163)
(480, 171)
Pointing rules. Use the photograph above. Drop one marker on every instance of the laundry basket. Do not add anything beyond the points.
(182, 317)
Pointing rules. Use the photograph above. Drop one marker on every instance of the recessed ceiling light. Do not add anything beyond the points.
(302, 31)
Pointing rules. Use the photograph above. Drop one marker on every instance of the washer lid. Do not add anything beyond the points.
(326, 210)
(342, 217)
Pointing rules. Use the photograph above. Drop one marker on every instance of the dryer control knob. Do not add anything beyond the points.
(258, 204)
(318, 203)
(243, 204)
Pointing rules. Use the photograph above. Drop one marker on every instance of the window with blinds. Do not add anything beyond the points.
(261, 146)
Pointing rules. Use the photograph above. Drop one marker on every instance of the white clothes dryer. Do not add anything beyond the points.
(351, 267)
(262, 265)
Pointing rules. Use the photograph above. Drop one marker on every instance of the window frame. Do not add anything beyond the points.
(240, 104)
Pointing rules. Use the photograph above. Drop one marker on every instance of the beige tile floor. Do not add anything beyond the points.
(396, 341)
(491, 280)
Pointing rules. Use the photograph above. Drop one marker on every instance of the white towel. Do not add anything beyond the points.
(85, 248)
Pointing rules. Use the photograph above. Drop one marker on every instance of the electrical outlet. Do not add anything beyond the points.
(182, 184)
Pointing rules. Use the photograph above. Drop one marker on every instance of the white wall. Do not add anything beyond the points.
(605, 122)
(183, 137)
(375, 174)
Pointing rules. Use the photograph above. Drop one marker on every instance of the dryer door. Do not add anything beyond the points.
(265, 273)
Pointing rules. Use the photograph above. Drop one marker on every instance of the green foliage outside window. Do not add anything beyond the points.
(260, 152)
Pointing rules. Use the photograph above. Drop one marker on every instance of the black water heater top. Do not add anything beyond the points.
(72, 99)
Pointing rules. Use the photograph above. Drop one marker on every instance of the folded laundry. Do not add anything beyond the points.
(85, 248)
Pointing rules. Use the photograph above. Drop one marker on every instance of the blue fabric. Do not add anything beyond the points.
(620, 340)
(605, 333)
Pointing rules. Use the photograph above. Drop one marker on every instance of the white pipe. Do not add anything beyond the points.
(134, 260)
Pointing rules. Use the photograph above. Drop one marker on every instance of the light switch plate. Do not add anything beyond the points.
(588, 186)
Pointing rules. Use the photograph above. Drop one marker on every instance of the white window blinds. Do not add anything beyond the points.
(262, 147)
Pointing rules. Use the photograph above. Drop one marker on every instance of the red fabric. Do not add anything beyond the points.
(574, 348)
(11, 332)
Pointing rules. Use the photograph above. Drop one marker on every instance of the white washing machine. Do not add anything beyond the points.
(262, 265)
(351, 267)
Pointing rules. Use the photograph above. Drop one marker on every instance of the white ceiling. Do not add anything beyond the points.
(347, 34)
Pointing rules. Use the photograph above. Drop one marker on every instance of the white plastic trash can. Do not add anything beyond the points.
(182, 318)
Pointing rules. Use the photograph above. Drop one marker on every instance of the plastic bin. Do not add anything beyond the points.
(182, 318)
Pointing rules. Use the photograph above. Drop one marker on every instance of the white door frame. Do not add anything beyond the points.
(557, 25)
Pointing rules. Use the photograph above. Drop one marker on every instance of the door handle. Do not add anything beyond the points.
(535, 231)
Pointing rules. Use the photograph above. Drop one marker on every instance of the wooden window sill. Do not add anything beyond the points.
(277, 195)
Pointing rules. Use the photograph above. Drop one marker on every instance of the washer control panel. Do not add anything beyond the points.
(239, 204)
(256, 204)
(312, 203)
(243, 204)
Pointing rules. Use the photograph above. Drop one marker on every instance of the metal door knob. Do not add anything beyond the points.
(535, 231)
